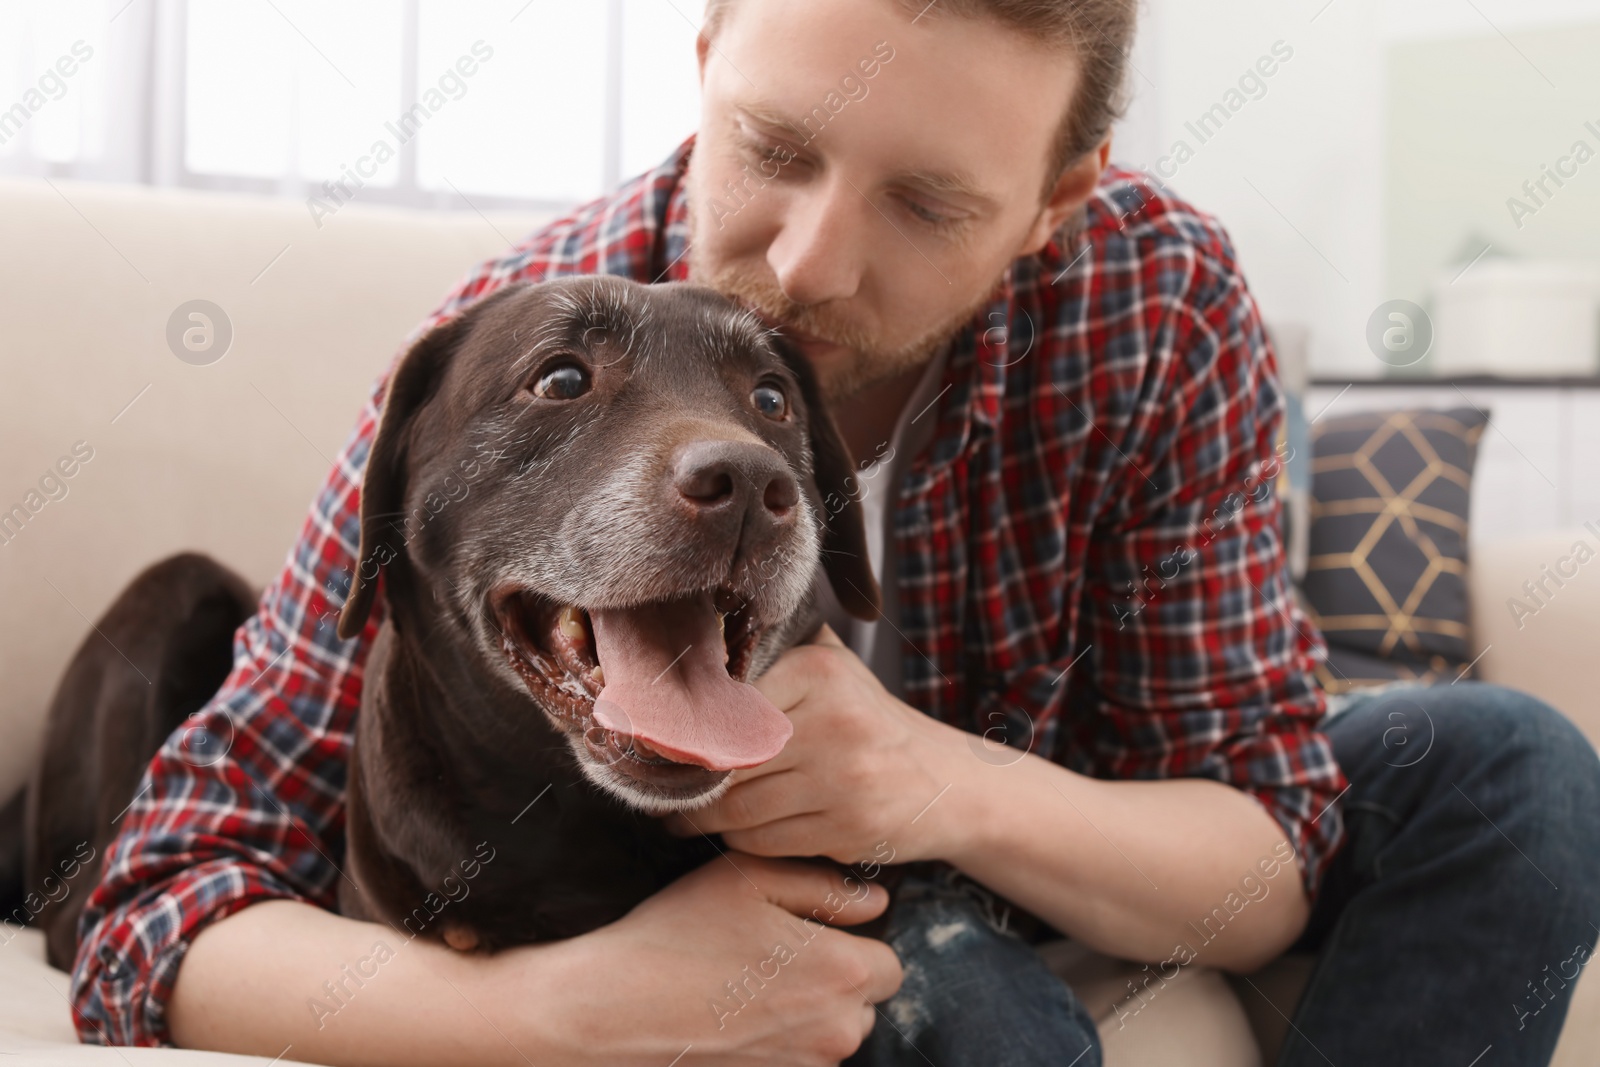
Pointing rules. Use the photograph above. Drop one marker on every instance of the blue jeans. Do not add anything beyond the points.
(973, 992)
(1464, 902)
(1453, 920)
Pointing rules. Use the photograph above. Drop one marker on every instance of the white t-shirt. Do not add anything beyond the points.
(878, 643)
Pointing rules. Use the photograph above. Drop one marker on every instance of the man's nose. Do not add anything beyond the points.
(817, 256)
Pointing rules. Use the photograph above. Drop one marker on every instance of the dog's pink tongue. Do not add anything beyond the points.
(667, 683)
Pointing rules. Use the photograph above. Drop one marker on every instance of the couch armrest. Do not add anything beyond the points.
(1536, 609)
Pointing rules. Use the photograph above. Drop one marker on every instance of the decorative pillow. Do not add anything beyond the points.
(1386, 577)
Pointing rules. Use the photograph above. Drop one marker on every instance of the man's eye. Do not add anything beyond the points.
(773, 154)
(759, 148)
(932, 218)
(770, 401)
(774, 159)
(565, 381)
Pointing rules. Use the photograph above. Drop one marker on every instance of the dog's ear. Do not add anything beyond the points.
(844, 545)
(383, 484)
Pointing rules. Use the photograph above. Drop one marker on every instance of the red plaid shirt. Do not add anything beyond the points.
(1085, 563)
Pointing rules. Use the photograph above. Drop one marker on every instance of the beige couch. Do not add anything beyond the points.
(225, 458)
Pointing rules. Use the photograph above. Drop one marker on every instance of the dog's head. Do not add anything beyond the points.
(616, 495)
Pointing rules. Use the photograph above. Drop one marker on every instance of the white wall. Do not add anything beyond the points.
(1297, 175)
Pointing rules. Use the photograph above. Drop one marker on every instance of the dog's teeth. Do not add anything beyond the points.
(598, 675)
(722, 624)
(572, 623)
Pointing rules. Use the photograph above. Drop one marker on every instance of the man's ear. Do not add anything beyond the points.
(844, 543)
(1072, 190)
(383, 483)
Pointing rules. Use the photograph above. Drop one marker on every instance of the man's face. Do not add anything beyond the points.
(884, 173)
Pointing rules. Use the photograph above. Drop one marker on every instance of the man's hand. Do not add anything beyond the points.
(696, 964)
(734, 960)
(862, 769)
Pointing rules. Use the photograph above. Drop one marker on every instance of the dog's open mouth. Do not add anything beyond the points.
(657, 690)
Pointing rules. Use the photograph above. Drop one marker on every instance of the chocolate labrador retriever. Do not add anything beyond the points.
(586, 616)
(597, 509)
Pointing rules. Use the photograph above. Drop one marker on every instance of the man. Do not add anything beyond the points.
(1074, 409)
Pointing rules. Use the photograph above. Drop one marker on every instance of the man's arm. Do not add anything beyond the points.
(253, 983)
(286, 978)
(1133, 869)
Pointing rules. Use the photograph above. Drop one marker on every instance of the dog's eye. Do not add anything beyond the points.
(770, 401)
(566, 381)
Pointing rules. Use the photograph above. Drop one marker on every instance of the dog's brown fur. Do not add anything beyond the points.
(450, 750)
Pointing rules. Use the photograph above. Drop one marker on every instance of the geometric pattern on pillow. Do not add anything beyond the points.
(1386, 575)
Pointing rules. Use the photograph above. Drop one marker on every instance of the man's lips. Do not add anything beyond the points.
(810, 343)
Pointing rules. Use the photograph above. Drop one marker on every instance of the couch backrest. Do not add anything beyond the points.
(225, 457)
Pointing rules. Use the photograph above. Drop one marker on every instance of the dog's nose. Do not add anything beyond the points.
(735, 479)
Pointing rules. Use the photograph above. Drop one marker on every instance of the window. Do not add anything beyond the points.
(501, 103)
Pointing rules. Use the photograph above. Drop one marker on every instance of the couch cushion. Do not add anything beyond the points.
(1192, 1018)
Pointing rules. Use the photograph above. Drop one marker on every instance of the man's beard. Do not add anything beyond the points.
(869, 362)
